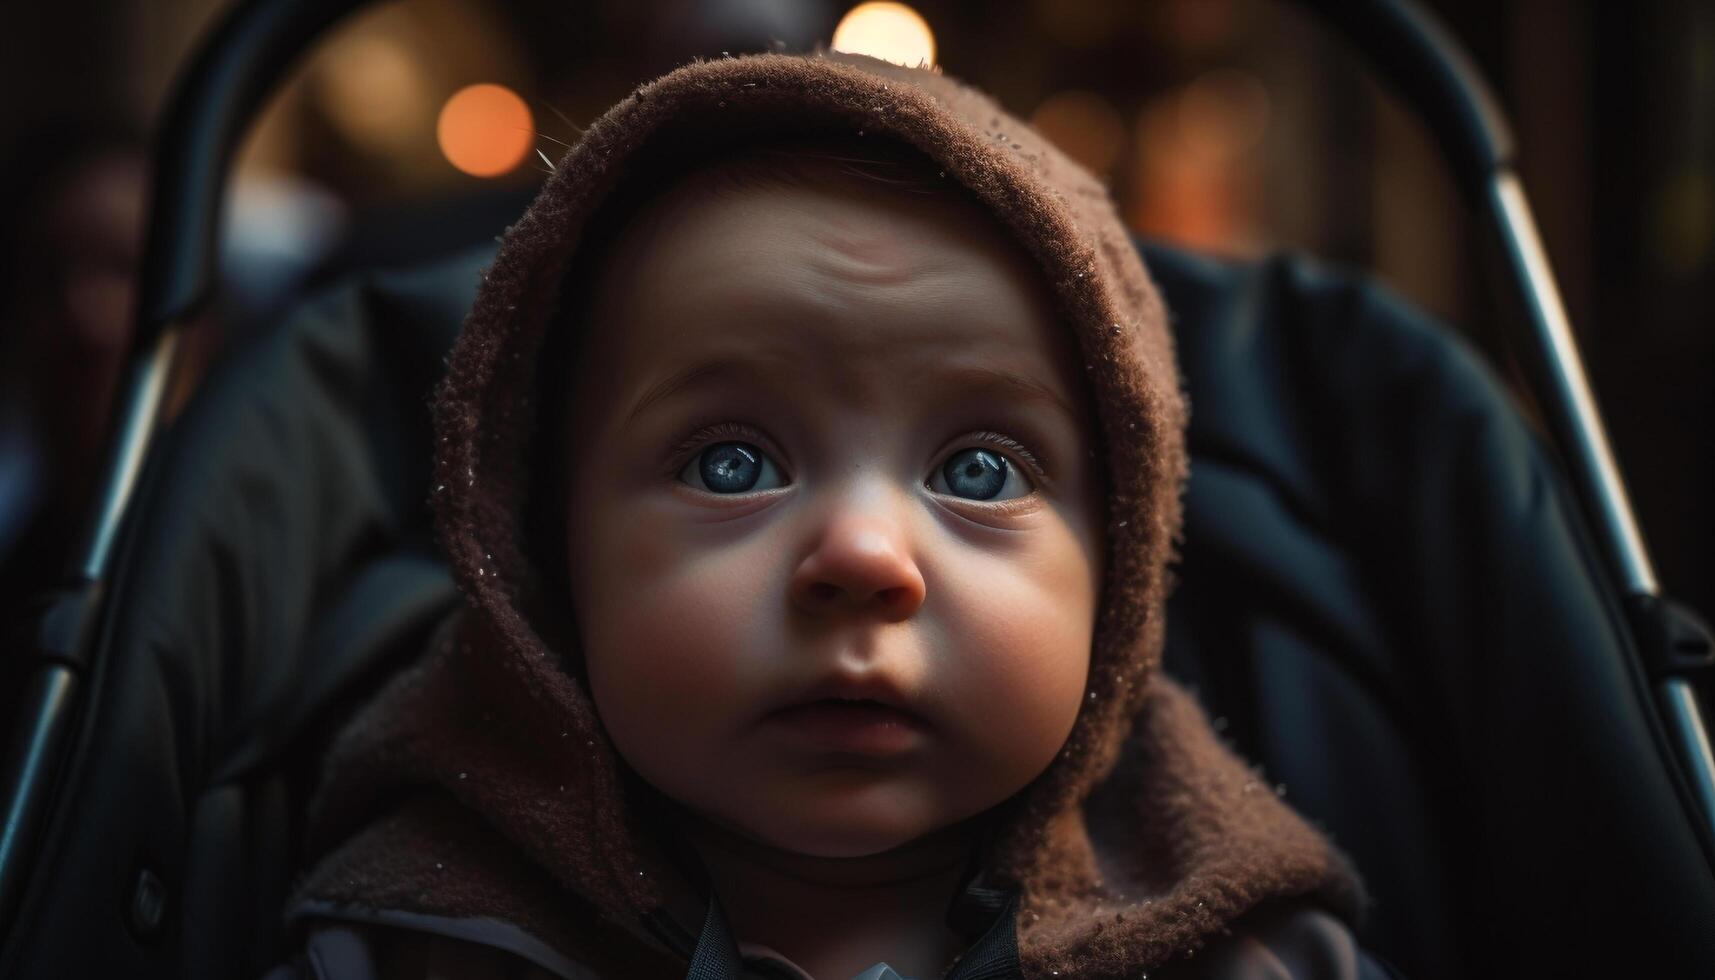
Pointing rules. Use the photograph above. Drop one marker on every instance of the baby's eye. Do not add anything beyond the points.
(980, 474)
(731, 467)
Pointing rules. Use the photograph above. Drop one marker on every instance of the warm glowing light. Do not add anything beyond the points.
(889, 31)
(1195, 173)
(485, 130)
(375, 92)
(1223, 114)
(1085, 126)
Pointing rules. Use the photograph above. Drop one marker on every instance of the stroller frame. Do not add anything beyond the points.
(253, 48)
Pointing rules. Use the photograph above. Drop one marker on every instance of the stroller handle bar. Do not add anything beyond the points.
(258, 42)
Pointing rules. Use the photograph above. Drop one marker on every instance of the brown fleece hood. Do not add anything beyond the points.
(481, 782)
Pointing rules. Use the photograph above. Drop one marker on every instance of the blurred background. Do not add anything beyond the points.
(1233, 126)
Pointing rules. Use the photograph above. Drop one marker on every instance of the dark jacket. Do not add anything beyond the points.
(1274, 945)
(478, 803)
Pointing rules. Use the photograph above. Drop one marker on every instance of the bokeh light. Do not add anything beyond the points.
(1683, 221)
(1195, 173)
(375, 92)
(1223, 114)
(1083, 125)
(485, 130)
(889, 31)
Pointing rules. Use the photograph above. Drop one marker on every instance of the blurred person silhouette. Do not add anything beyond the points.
(73, 202)
(71, 216)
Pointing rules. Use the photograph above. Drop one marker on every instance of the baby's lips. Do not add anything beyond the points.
(877, 688)
(855, 729)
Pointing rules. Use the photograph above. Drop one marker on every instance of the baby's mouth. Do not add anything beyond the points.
(861, 726)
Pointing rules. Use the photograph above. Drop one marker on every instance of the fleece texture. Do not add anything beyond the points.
(1144, 839)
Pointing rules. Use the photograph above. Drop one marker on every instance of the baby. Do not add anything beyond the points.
(810, 465)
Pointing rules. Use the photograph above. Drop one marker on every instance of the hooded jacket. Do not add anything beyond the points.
(478, 799)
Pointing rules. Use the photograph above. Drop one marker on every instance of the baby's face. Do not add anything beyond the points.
(803, 457)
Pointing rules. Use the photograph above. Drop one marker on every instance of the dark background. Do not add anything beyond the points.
(1230, 125)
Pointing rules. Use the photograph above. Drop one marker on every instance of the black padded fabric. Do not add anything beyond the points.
(277, 565)
(1384, 596)
(1388, 600)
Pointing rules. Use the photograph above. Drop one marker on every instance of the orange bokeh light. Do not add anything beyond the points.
(1084, 125)
(485, 130)
(886, 30)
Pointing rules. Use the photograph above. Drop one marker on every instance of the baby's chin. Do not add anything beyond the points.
(845, 825)
(851, 839)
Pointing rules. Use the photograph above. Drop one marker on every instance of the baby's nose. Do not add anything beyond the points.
(860, 564)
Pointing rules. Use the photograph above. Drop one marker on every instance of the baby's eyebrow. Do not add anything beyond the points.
(1020, 387)
(679, 380)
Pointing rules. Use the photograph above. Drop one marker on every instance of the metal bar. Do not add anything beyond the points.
(49, 705)
(1426, 67)
(236, 66)
(1577, 423)
(1685, 718)
(1572, 406)
(145, 387)
(39, 740)
(1423, 64)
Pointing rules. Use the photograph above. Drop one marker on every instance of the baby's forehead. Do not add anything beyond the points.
(821, 275)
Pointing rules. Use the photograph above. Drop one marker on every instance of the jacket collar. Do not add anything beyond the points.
(994, 956)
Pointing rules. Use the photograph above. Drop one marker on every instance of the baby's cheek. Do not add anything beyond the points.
(670, 632)
(1019, 633)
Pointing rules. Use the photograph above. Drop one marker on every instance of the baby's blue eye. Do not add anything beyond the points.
(980, 474)
(731, 467)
